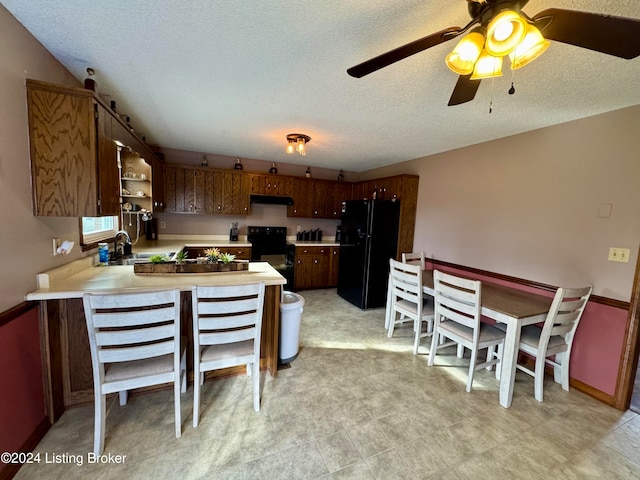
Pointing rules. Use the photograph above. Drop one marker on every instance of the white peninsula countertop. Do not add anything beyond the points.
(75, 279)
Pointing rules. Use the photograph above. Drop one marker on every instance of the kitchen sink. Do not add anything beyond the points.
(137, 257)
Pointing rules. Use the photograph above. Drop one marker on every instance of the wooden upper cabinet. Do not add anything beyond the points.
(235, 195)
(203, 191)
(108, 169)
(340, 192)
(62, 137)
(303, 198)
(269, 184)
(179, 189)
(322, 198)
(157, 184)
(74, 157)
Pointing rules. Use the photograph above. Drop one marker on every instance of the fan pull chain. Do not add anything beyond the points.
(512, 90)
(491, 99)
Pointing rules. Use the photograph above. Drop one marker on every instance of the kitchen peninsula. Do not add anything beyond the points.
(65, 345)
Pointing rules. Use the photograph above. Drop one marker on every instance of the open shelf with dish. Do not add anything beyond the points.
(135, 183)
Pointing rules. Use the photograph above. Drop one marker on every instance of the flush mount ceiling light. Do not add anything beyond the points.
(499, 28)
(296, 142)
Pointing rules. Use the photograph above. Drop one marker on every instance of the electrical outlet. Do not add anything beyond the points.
(624, 255)
(618, 254)
(163, 225)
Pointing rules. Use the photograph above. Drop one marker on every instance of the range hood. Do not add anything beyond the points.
(271, 199)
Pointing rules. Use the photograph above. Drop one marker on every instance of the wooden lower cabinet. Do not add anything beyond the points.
(69, 356)
(316, 267)
(334, 263)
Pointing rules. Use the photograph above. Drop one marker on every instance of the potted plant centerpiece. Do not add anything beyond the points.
(181, 257)
(212, 255)
(225, 260)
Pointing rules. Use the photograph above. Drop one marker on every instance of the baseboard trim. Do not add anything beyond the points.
(599, 395)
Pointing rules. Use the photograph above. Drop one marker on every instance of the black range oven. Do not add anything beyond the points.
(269, 244)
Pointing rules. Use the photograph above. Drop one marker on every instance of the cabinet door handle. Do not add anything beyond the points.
(315, 260)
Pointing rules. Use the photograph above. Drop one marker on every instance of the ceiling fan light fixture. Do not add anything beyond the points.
(505, 31)
(297, 142)
(465, 54)
(487, 66)
(531, 47)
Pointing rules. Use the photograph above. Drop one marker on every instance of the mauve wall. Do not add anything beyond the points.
(25, 241)
(21, 390)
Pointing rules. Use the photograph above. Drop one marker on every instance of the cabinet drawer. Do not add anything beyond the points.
(312, 251)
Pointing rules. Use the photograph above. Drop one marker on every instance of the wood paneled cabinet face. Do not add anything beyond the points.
(179, 189)
(303, 198)
(334, 264)
(340, 193)
(231, 192)
(322, 198)
(267, 184)
(157, 184)
(311, 269)
(201, 190)
(74, 170)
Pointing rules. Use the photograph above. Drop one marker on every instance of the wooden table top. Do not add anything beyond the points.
(505, 300)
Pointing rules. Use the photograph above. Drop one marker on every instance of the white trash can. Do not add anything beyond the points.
(290, 318)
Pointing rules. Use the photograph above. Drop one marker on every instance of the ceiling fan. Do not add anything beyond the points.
(499, 28)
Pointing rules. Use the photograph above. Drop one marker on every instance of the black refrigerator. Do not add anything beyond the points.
(368, 240)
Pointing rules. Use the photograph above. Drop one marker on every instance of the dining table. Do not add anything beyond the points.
(513, 307)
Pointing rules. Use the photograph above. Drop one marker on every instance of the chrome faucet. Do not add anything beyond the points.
(119, 248)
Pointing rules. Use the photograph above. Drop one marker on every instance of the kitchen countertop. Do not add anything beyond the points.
(314, 243)
(175, 245)
(160, 246)
(72, 281)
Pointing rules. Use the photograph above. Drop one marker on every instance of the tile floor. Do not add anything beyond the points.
(354, 405)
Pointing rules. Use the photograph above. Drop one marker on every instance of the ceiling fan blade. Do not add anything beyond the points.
(464, 91)
(617, 36)
(400, 53)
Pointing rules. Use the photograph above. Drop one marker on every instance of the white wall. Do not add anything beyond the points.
(528, 205)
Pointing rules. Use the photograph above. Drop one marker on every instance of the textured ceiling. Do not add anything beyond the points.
(233, 78)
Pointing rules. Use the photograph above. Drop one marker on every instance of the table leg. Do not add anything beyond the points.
(509, 361)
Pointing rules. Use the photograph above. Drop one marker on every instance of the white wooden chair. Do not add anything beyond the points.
(135, 342)
(227, 323)
(555, 337)
(457, 317)
(414, 258)
(407, 300)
